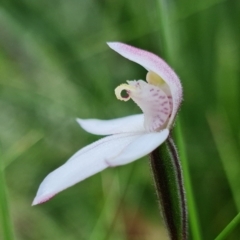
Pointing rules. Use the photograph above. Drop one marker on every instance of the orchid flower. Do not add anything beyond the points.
(131, 137)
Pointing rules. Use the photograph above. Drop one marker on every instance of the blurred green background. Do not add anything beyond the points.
(55, 66)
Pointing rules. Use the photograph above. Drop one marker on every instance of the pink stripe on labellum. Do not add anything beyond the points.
(154, 103)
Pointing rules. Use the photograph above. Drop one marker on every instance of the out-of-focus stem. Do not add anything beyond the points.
(5, 219)
(193, 216)
(168, 48)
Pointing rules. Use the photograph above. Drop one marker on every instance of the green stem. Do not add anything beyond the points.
(168, 181)
(166, 35)
(193, 216)
(5, 219)
(229, 228)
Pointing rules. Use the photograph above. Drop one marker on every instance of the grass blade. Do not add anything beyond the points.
(4, 208)
(193, 216)
(229, 228)
(228, 151)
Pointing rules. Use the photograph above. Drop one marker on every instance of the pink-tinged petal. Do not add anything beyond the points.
(83, 164)
(140, 147)
(133, 123)
(153, 63)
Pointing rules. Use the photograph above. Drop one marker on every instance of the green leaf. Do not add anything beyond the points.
(168, 180)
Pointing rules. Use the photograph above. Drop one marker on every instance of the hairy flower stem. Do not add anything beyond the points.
(169, 185)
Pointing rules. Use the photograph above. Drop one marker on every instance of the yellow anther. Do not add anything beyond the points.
(122, 87)
(154, 79)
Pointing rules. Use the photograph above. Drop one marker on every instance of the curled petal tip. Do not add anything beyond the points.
(114, 45)
(41, 199)
(79, 121)
(110, 43)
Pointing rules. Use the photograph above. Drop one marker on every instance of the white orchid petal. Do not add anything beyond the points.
(85, 163)
(155, 64)
(140, 147)
(133, 123)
